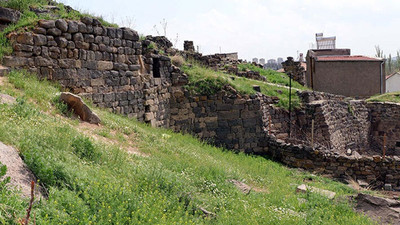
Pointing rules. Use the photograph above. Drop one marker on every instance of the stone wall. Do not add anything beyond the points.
(339, 125)
(105, 64)
(241, 123)
(231, 121)
(374, 170)
(115, 70)
(385, 119)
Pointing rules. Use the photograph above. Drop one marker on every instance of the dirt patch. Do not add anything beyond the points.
(91, 129)
(382, 210)
(17, 170)
(135, 151)
(3, 80)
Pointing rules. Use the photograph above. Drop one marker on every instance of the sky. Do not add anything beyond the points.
(258, 28)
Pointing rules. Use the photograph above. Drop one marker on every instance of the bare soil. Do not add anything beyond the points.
(21, 176)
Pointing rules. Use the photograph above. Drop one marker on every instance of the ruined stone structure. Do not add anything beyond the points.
(188, 46)
(115, 70)
(295, 69)
(106, 65)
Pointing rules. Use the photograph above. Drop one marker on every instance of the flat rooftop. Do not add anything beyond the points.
(347, 58)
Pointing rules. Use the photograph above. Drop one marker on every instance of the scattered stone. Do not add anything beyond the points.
(257, 88)
(9, 15)
(6, 99)
(348, 152)
(388, 187)
(80, 108)
(241, 186)
(383, 210)
(17, 170)
(357, 155)
(304, 188)
(362, 183)
(207, 213)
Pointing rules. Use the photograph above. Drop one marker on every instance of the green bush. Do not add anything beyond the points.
(207, 86)
(3, 181)
(84, 148)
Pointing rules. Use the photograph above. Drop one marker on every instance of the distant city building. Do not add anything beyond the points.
(272, 64)
(262, 61)
(280, 60)
(255, 60)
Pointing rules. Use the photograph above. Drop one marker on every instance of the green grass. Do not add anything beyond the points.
(271, 75)
(206, 81)
(29, 19)
(94, 182)
(387, 97)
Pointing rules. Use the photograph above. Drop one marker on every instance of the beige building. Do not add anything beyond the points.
(336, 71)
(393, 82)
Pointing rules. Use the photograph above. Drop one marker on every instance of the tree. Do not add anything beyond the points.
(379, 52)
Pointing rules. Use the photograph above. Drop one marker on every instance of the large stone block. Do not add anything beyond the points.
(78, 37)
(61, 42)
(54, 32)
(80, 108)
(9, 15)
(39, 39)
(41, 61)
(73, 27)
(130, 34)
(62, 25)
(25, 38)
(104, 65)
(12, 61)
(48, 24)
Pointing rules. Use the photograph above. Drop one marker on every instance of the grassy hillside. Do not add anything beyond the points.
(125, 172)
(207, 81)
(271, 75)
(388, 97)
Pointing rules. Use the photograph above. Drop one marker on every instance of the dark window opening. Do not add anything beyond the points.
(156, 68)
(397, 143)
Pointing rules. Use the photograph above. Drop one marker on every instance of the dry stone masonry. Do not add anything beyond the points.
(114, 69)
(104, 64)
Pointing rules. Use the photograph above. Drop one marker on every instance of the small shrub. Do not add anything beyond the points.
(84, 148)
(208, 86)
(151, 45)
(3, 182)
(23, 110)
(177, 60)
(61, 107)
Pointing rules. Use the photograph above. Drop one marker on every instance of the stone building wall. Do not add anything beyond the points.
(375, 170)
(105, 64)
(231, 121)
(385, 119)
(339, 125)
